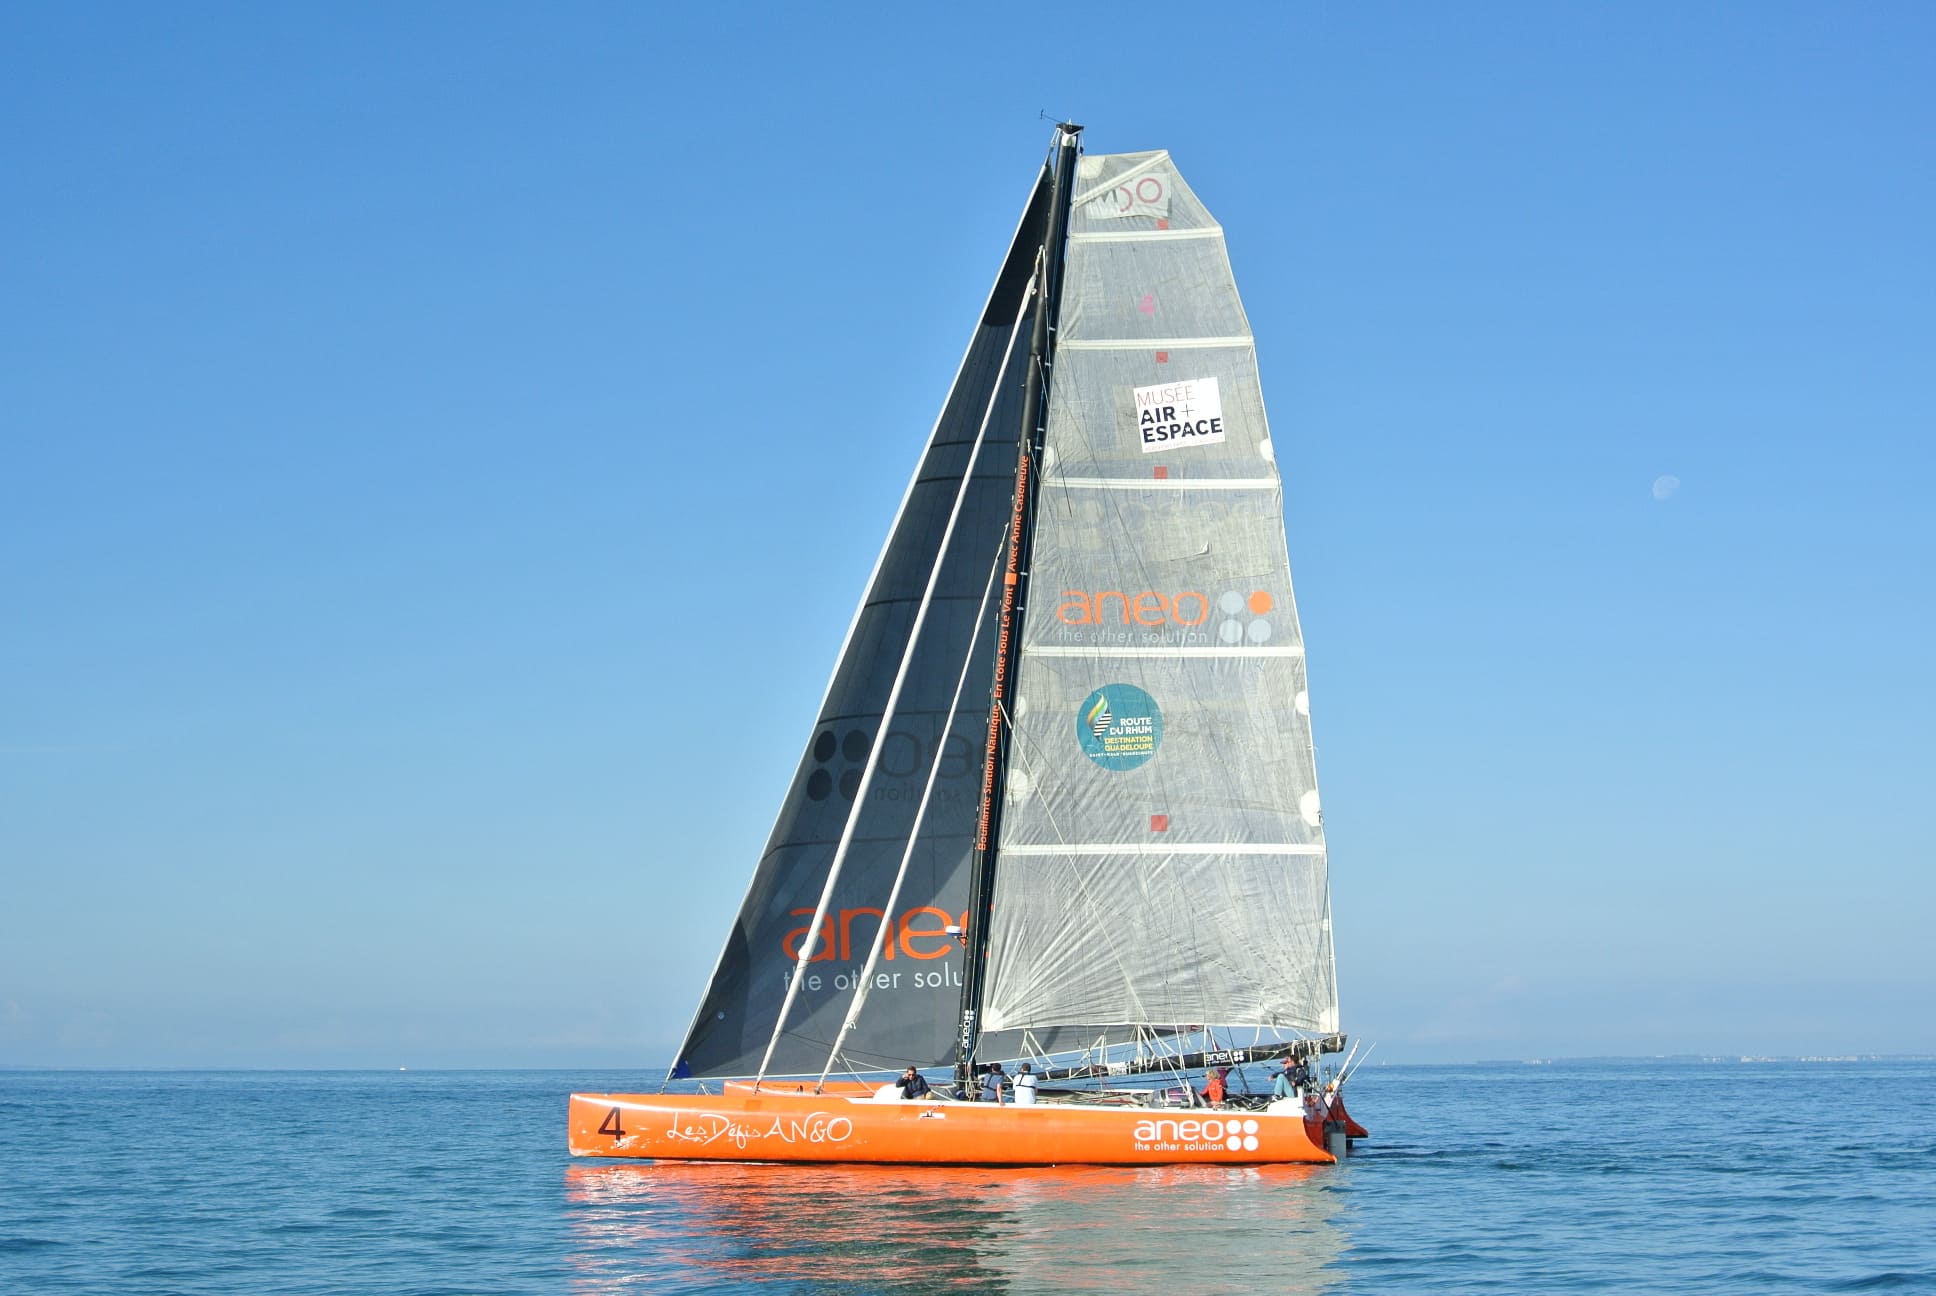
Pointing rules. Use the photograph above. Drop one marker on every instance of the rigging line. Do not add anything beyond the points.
(1332, 1090)
(887, 719)
(920, 816)
(1350, 1071)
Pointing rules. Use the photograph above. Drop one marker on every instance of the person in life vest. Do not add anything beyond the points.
(1025, 1086)
(993, 1084)
(1213, 1086)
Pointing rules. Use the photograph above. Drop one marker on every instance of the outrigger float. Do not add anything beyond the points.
(1060, 805)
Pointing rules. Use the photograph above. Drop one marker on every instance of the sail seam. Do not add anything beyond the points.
(1087, 650)
(1157, 344)
(1137, 236)
(1167, 483)
(1167, 848)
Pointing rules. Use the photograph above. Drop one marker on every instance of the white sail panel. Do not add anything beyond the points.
(1101, 427)
(1138, 191)
(1227, 758)
(1162, 938)
(1162, 848)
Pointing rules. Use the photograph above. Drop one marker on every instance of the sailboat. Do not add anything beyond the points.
(1059, 808)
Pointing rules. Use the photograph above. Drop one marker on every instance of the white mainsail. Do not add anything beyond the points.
(1162, 855)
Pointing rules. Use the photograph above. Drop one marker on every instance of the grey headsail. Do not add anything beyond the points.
(910, 1008)
(1162, 856)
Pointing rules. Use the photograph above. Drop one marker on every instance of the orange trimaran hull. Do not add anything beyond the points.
(775, 1125)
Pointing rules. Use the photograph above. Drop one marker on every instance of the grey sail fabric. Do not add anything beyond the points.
(1162, 855)
(912, 1001)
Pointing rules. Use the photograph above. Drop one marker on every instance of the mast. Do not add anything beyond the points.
(1035, 422)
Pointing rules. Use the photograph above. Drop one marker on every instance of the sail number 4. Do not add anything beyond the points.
(611, 1125)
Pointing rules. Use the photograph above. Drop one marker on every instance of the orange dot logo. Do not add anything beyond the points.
(1243, 617)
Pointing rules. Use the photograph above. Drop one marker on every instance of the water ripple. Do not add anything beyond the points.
(1660, 1179)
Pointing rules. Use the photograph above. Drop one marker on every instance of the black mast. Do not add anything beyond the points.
(1021, 535)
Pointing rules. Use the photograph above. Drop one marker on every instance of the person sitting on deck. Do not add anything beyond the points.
(1213, 1086)
(1291, 1080)
(993, 1083)
(1025, 1086)
(912, 1084)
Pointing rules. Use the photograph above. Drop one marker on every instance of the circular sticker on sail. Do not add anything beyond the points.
(1119, 726)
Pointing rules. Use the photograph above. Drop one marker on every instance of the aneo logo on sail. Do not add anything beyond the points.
(922, 934)
(1184, 619)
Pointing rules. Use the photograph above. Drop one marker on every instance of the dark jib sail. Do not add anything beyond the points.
(913, 989)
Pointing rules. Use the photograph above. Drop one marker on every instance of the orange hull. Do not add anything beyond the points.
(840, 1127)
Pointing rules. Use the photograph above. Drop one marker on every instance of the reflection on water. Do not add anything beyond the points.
(675, 1227)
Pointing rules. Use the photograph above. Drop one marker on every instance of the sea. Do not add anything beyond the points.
(1663, 1176)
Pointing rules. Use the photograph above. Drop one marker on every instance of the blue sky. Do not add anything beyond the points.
(443, 446)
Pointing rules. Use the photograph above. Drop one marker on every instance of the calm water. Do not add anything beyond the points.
(1662, 1178)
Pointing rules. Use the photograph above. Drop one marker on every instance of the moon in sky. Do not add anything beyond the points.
(1665, 486)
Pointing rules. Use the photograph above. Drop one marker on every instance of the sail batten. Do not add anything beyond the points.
(1165, 483)
(1158, 343)
(1145, 236)
(1057, 650)
(1022, 851)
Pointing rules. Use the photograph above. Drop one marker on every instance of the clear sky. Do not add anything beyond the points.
(443, 445)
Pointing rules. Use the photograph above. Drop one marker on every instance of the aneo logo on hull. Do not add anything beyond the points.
(1197, 1134)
